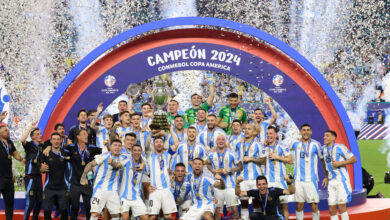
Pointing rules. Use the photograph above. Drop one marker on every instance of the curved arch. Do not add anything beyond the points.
(314, 86)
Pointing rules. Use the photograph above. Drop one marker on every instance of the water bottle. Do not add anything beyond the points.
(90, 175)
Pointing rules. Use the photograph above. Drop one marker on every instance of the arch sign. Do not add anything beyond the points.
(248, 53)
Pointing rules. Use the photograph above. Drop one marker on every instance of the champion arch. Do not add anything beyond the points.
(239, 50)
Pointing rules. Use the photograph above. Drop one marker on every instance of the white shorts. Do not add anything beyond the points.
(306, 192)
(137, 207)
(226, 196)
(108, 199)
(162, 198)
(283, 199)
(186, 204)
(339, 192)
(195, 213)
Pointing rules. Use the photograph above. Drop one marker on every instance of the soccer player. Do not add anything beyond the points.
(196, 105)
(122, 106)
(7, 151)
(260, 123)
(249, 152)
(158, 161)
(105, 187)
(307, 151)
(82, 117)
(142, 134)
(173, 111)
(276, 157)
(267, 197)
(56, 190)
(130, 141)
(200, 123)
(131, 185)
(32, 179)
(209, 135)
(102, 132)
(202, 193)
(181, 189)
(337, 156)
(147, 115)
(187, 151)
(178, 129)
(225, 163)
(124, 126)
(236, 136)
(80, 153)
(230, 112)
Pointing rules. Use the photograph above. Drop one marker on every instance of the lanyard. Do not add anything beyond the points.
(180, 137)
(209, 142)
(266, 199)
(135, 173)
(177, 188)
(144, 121)
(306, 149)
(331, 152)
(232, 116)
(190, 152)
(64, 141)
(82, 153)
(36, 145)
(59, 154)
(5, 146)
(161, 160)
(197, 185)
(199, 128)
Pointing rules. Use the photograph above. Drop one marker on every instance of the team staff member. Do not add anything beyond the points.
(307, 151)
(202, 193)
(7, 151)
(60, 129)
(268, 198)
(56, 189)
(230, 112)
(225, 163)
(196, 105)
(337, 156)
(82, 117)
(32, 179)
(122, 106)
(105, 187)
(80, 153)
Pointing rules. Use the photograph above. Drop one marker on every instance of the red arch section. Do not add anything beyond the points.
(271, 55)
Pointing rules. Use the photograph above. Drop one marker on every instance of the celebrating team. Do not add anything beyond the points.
(203, 163)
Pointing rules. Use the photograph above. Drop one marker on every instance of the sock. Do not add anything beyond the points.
(344, 216)
(316, 215)
(334, 217)
(244, 214)
(94, 218)
(299, 215)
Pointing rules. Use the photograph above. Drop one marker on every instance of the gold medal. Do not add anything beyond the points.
(161, 171)
(135, 181)
(82, 163)
(35, 161)
(265, 213)
(197, 194)
(9, 157)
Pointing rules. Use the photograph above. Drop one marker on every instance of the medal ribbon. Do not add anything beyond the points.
(190, 152)
(245, 148)
(5, 146)
(161, 162)
(135, 173)
(36, 145)
(197, 185)
(82, 153)
(59, 154)
(232, 116)
(306, 149)
(180, 137)
(177, 189)
(208, 139)
(220, 159)
(266, 199)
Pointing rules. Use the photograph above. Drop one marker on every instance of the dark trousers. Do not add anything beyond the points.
(7, 190)
(33, 187)
(58, 198)
(261, 216)
(86, 193)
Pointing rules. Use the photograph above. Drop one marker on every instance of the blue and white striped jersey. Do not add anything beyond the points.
(275, 169)
(233, 140)
(337, 152)
(202, 189)
(145, 122)
(306, 160)
(228, 159)
(158, 166)
(186, 153)
(262, 136)
(253, 149)
(200, 128)
(106, 177)
(208, 139)
(181, 190)
(121, 131)
(131, 184)
(102, 134)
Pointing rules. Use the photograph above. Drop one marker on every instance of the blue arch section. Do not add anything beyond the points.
(315, 74)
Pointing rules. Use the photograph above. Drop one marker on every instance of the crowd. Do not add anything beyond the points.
(127, 167)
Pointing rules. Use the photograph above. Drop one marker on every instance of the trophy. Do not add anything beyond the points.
(160, 99)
